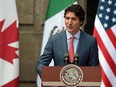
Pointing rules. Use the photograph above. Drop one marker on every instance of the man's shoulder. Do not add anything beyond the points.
(88, 36)
(61, 34)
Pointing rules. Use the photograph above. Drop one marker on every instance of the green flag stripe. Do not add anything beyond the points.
(56, 6)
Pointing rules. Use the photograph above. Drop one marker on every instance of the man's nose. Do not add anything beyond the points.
(70, 21)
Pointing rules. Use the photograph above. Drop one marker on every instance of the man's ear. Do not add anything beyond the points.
(81, 23)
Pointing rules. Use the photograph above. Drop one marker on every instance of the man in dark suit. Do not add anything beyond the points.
(58, 44)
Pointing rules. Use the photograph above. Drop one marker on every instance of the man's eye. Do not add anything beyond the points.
(67, 18)
(74, 19)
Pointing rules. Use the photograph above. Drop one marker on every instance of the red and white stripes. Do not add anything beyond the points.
(107, 53)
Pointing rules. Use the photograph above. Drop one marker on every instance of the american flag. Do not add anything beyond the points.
(105, 33)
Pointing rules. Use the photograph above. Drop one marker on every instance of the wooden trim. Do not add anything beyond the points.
(47, 83)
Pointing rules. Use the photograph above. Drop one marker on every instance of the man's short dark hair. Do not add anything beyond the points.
(77, 10)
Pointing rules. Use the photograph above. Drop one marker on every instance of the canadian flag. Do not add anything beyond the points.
(9, 44)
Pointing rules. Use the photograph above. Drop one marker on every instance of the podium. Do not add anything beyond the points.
(51, 76)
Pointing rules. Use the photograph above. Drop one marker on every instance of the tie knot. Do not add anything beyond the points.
(72, 38)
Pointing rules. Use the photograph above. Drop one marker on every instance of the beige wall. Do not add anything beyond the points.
(31, 17)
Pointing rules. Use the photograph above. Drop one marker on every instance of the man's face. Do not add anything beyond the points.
(72, 23)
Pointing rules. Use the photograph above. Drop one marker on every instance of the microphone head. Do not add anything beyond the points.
(76, 57)
(66, 55)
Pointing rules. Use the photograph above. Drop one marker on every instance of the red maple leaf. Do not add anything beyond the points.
(8, 36)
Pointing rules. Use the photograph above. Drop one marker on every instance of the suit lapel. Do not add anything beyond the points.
(64, 42)
(82, 42)
(81, 45)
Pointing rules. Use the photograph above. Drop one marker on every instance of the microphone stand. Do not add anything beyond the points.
(76, 59)
(66, 60)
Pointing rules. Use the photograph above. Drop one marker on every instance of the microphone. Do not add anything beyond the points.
(76, 58)
(66, 57)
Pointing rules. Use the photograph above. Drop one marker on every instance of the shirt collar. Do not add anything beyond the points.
(77, 35)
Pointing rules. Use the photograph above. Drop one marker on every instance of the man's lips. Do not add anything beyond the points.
(69, 26)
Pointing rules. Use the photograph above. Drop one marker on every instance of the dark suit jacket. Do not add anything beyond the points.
(57, 46)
